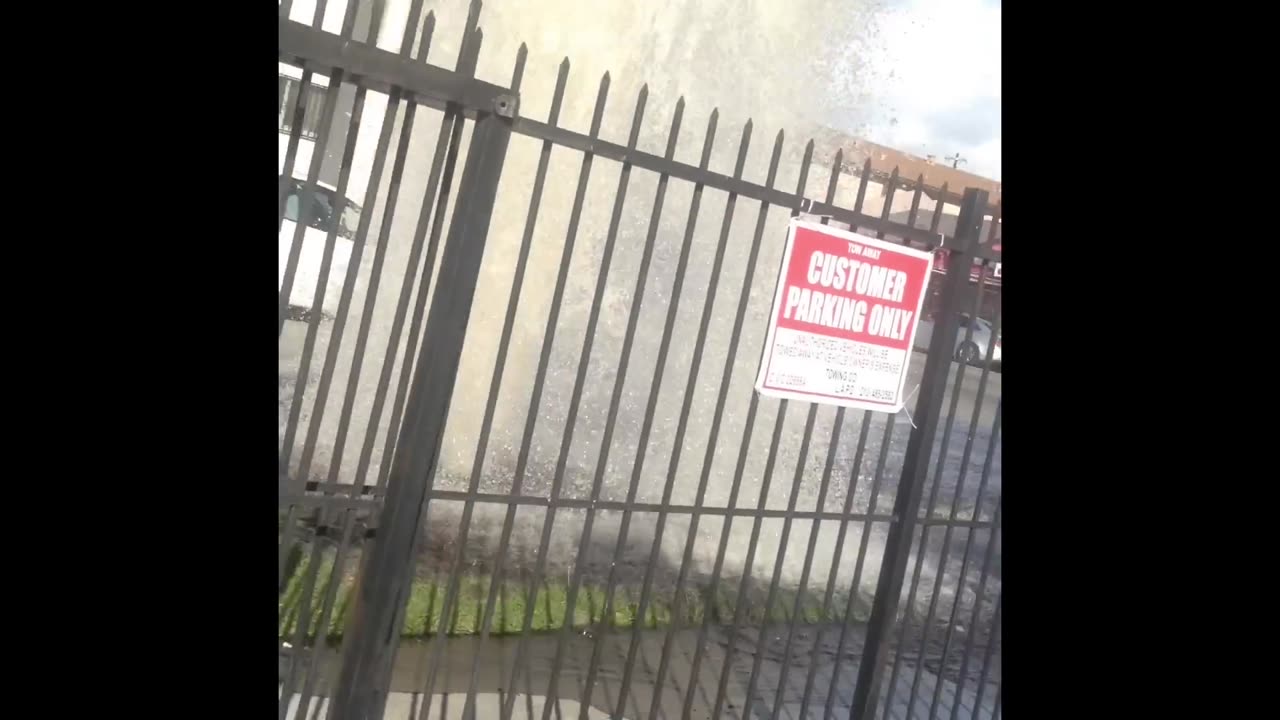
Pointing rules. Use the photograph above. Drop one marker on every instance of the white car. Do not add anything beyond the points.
(321, 221)
(971, 352)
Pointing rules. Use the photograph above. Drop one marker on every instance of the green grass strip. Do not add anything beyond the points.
(426, 600)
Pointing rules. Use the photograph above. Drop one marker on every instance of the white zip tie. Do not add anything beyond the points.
(904, 406)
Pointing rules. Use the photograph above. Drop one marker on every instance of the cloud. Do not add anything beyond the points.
(932, 73)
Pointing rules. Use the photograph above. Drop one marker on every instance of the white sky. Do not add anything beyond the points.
(936, 81)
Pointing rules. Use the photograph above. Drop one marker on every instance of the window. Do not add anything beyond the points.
(288, 99)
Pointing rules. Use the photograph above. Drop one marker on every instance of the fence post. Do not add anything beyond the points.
(915, 466)
(373, 632)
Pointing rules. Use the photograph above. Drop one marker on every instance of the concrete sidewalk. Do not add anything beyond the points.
(406, 699)
(408, 706)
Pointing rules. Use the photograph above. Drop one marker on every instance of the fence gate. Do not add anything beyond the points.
(628, 530)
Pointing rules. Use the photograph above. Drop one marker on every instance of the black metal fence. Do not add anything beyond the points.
(593, 539)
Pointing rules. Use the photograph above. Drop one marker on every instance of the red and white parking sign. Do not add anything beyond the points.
(844, 319)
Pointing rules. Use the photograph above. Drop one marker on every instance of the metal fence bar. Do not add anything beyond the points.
(890, 189)
(296, 500)
(371, 295)
(704, 319)
(579, 383)
(317, 301)
(966, 654)
(445, 154)
(381, 70)
(455, 577)
(952, 516)
(915, 470)
(813, 536)
(939, 194)
(833, 572)
(307, 204)
(436, 86)
(740, 602)
(859, 565)
(986, 656)
(593, 664)
(862, 193)
(411, 28)
(439, 187)
(373, 634)
(946, 316)
(915, 201)
(947, 534)
(301, 625)
(363, 331)
(744, 188)
(468, 57)
(848, 510)
(336, 500)
(320, 651)
(291, 153)
(388, 213)
(470, 501)
(975, 616)
(813, 532)
(535, 401)
(771, 594)
(348, 288)
(308, 350)
(801, 462)
(344, 489)
(704, 323)
(469, 504)
(731, 510)
(359, 242)
(439, 184)
(937, 214)
(611, 417)
(504, 345)
(713, 438)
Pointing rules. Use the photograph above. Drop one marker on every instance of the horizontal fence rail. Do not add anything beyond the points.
(523, 471)
(435, 87)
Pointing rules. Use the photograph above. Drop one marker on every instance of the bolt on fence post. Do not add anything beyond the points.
(915, 466)
(373, 632)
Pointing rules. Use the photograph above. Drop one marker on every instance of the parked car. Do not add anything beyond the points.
(322, 219)
(972, 351)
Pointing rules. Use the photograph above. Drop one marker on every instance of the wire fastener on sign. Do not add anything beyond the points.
(904, 405)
